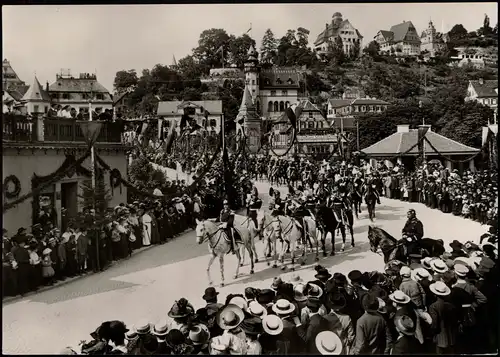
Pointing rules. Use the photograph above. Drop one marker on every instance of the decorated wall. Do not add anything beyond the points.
(20, 165)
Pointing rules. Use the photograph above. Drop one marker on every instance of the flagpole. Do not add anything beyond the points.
(222, 57)
(223, 153)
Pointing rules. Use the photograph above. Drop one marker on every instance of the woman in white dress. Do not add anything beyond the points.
(146, 229)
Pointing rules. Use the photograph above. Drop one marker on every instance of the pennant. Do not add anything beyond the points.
(160, 127)
(219, 50)
(170, 138)
(422, 130)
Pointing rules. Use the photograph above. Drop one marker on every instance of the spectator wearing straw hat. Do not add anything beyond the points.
(438, 267)
(406, 343)
(160, 330)
(372, 332)
(444, 319)
(412, 288)
(286, 311)
(233, 338)
(461, 272)
(270, 339)
(328, 343)
(199, 338)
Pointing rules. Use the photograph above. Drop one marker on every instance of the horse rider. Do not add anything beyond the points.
(254, 206)
(413, 232)
(226, 217)
(336, 203)
(371, 186)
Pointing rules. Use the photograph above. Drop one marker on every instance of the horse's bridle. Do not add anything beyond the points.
(207, 237)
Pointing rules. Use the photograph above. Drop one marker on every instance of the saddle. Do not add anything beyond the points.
(235, 235)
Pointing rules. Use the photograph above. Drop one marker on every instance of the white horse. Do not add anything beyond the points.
(219, 245)
(285, 229)
(246, 222)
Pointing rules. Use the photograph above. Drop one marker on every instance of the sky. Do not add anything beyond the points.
(43, 39)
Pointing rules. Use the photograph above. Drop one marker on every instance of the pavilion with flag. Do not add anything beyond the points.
(404, 147)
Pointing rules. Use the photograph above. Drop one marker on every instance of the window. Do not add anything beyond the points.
(284, 92)
(85, 110)
(310, 125)
(253, 90)
(100, 96)
(270, 106)
(287, 104)
(203, 122)
(190, 111)
(311, 115)
(278, 81)
(213, 123)
(253, 81)
(330, 111)
(282, 106)
(35, 108)
(46, 109)
(276, 106)
(273, 93)
(65, 96)
(363, 108)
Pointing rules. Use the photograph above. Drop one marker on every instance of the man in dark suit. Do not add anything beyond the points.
(406, 342)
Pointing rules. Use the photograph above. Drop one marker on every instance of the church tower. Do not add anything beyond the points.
(251, 121)
(252, 74)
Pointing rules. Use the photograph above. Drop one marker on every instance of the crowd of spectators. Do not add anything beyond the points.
(438, 306)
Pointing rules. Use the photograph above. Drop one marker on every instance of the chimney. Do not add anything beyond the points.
(47, 86)
(481, 81)
(404, 128)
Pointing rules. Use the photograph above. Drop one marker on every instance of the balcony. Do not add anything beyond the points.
(18, 128)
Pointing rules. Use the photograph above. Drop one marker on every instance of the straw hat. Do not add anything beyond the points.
(240, 302)
(461, 270)
(405, 272)
(426, 262)
(46, 251)
(439, 266)
(272, 325)
(160, 329)
(405, 325)
(399, 297)
(382, 307)
(199, 335)
(131, 335)
(439, 288)
(256, 309)
(143, 327)
(420, 274)
(283, 307)
(230, 317)
(328, 343)
(298, 293)
(314, 291)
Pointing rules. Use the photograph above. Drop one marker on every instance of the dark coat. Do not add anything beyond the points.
(406, 345)
(444, 323)
(309, 332)
(372, 335)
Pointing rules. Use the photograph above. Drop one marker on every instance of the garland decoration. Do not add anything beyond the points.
(17, 187)
(55, 177)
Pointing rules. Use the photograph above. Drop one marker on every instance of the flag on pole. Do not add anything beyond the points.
(250, 29)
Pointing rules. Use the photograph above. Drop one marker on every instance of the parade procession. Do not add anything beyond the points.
(260, 195)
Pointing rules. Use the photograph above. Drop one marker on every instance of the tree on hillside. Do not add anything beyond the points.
(486, 30)
(125, 80)
(355, 51)
(457, 34)
(269, 47)
(372, 49)
(239, 47)
(302, 37)
(207, 53)
(189, 67)
(337, 54)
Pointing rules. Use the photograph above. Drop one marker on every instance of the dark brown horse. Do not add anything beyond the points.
(394, 249)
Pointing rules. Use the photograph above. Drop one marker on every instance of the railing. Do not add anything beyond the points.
(20, 129)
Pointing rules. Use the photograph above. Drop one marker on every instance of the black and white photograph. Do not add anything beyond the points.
(250, 179)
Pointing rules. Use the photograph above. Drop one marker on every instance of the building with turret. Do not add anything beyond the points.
(252, 122)
(339, 27)
(402, 40)
(36, 99)
(431, 41)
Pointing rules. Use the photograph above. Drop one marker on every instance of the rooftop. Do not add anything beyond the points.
(84, 84)
(280, 77)
(400, 142)
(486, 88)
(175, 106)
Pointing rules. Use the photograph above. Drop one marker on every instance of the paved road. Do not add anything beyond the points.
(146, 285)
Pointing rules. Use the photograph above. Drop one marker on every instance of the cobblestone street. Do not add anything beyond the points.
(146, 285)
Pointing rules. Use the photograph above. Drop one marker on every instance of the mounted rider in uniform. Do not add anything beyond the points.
(254, 205)
(413, 232)
(336, 203)
(226, 217)
(371, 186)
